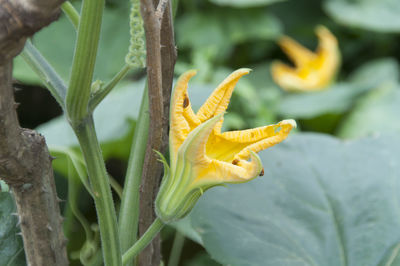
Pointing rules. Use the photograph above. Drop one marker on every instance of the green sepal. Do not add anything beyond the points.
(177, 195)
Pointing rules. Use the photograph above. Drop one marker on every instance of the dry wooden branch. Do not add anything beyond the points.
(25, 163)
(161, 57)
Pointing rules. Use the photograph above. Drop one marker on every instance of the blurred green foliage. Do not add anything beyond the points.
(328, 180)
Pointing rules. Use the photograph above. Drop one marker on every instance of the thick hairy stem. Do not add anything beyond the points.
(102, 192)
(25, 163)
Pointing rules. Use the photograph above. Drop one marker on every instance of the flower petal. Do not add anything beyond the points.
(183, 119)
(235, 145)
(291, 79)
(313, 71)
(299, 54)
(219, 99)
(219, 172)
(285, 127)
(328, 55)
(194, 147)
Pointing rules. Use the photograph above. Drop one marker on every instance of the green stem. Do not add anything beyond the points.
(96, 260)
(45, 72)
(102, 192)
(71, 13)
(176, 250)
(102, 93)
(74, 186)
(84, 60)
(146, 238)
(129, 212)
(115, 186)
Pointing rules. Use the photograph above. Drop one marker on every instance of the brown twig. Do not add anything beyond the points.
(168, 59)
(151, 169)
(25, 163)
(160, 64)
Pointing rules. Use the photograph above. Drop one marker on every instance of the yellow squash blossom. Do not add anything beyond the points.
(201, 156)
(312, 71)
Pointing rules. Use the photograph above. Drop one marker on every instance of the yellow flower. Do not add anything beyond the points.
(201, 156)
(312, 71)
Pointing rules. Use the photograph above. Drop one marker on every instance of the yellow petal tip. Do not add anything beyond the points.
(240, 72)
(290, 122)
(190, 73)
(245, 70)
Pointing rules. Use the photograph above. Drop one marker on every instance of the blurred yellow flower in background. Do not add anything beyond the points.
(201, 156)
(312, 71)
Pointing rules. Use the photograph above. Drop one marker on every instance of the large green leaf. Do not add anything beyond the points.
(376, 72)
(378, 112)
(113, 117)
(337, 99)
(381, 15)
(197, 30)
(322, 201)
(244, 3)
(11, 248)
(57, 41)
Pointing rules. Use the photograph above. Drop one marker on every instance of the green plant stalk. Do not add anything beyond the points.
(115, 186)
(101, 190)
(176, 250)
(129, 211)
(45, 72)
(79, 89)
(74, 186)
(142, 243)
(103, 92)
(71, 13)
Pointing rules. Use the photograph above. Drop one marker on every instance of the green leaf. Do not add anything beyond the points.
(322, 201)
(337, 99)
(56, 42)
(201, 259)
(376, 72)
(381, 16)
(184, 226)
(212, 29)
(244, 3)
(11, 247)
(113, 118)
(378, 112)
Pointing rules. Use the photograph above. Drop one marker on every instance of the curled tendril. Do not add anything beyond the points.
(136, 56)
